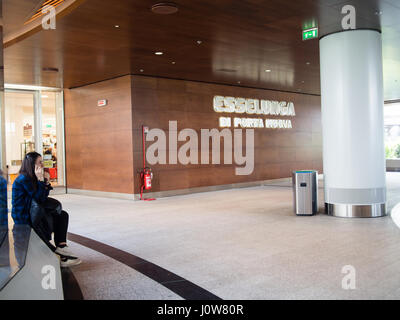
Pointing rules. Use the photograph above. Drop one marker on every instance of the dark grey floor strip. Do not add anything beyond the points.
(71, 288)
(173, 282)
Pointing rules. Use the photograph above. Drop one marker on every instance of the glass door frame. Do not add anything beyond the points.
(38, 124)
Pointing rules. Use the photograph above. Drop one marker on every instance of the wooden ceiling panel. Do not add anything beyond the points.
(240, 39)
(17, 12)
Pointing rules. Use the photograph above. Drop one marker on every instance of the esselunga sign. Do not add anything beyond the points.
(254, 107)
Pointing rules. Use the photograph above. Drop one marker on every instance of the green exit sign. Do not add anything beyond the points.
(310, 34)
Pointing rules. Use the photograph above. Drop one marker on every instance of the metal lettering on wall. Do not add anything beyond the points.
(254, 107)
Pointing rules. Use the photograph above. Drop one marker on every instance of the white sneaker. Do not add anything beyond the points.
(65, 252)
(69, 262)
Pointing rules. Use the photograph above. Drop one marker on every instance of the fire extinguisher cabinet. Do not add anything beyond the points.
(305, 192)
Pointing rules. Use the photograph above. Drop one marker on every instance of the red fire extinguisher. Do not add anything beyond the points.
(146, 175)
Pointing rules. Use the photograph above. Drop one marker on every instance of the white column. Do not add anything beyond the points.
(352, 123)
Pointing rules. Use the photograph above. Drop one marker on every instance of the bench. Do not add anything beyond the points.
(29, 270)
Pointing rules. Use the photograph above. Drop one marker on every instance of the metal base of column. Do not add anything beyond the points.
(356, 211)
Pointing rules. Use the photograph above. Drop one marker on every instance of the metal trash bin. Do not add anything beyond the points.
(305, 192)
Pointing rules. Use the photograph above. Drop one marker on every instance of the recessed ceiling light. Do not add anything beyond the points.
(141, 70)
(164, 8)
(158, 53)
(116, 26)
(226, 70)
(303, 81)
(173, 62)
(199, 42)
(268, 70)
(238, 82)
(308, 63)
(50, 69)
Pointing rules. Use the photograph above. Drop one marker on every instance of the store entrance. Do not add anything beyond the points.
(33, 121)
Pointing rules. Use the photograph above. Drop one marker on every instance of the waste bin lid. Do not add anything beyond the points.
(305, 171)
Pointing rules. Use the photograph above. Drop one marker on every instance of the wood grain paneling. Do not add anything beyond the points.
(99, 139)
(240, 40)
(157, 101)
(104, 145)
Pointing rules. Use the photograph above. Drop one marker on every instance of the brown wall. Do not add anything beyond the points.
(104, 145)
(99, 139)
(277, 151)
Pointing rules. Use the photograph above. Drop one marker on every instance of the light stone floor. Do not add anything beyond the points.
(103, 278)
(237, 244)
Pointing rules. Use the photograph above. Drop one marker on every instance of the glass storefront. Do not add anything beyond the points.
(392, 130)
(33, 121)
(52, 128)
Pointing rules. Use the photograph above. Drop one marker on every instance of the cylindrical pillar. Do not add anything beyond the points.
(352, 123)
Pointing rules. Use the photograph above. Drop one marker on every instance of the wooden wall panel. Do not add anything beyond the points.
(278, 152)
(99, 139)
(104, 145)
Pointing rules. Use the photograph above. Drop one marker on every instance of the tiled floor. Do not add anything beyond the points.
(101, 277)
(237, 244)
